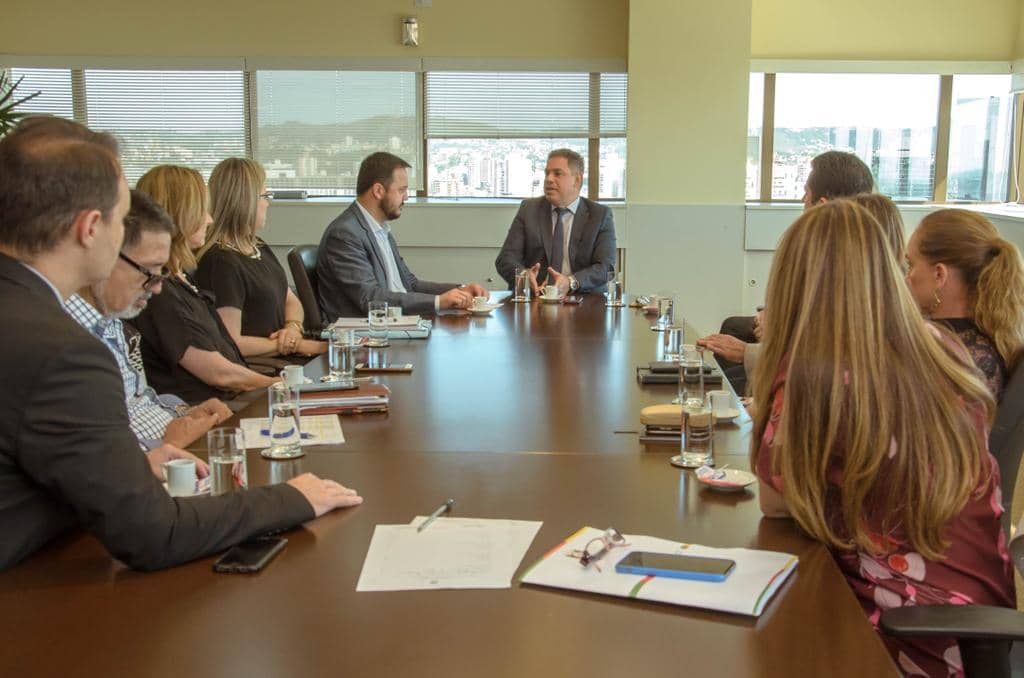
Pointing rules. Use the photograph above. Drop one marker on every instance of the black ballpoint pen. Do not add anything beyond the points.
(440, 509)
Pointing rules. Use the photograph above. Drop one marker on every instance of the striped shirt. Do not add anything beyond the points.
(148, 413)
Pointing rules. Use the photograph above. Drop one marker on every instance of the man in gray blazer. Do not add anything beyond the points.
(358, 260)
(563, 239)
(67, 455)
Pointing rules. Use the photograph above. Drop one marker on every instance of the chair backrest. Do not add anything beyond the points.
(1006, 441)
(302, 262)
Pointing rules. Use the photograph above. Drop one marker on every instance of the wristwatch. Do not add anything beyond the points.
(573, 283)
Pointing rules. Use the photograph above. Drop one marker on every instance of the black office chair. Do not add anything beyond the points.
(985, 633)
(302, 262)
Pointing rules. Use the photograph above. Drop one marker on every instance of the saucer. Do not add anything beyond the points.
(480, 311)
(202, 487)
(729, 415)
(725, 480)
(550, 300)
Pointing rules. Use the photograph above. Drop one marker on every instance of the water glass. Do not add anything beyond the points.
(521, 288)
(228, 470)
(378, 322)
(697, 446)
(691, 377)
(614, 293)
(341, 355)
(284, 428)
(672, 342)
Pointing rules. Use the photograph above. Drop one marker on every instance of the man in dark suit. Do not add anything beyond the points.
(67, 455)
(358, 260)
(562, 238)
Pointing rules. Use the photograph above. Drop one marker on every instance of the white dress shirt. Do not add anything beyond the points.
(381, 232)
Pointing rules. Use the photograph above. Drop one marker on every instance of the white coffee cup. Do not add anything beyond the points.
(394, 311)
(720, 402)
(293, 376)
(181, 477)
(480, 303)
(551, 291)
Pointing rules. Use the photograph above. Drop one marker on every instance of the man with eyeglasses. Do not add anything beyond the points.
(99, 308)
(68, 459)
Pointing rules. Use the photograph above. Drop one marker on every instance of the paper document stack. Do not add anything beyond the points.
(451, 553)
(365, 398)
(401, 322)
(747, 590)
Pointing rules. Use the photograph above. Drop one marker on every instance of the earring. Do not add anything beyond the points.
(935, 304)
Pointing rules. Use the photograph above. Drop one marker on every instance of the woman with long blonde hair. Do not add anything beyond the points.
(185, 346)
(964, 275)
(263, 315)
(873, 431)
(888, 216)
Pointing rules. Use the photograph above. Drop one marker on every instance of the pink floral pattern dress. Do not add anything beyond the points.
(976, 568)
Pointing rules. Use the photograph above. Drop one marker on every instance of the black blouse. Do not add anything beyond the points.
(172, 321)
(983, 352)
(257, 287)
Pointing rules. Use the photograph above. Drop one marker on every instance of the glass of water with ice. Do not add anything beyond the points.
(284, 422)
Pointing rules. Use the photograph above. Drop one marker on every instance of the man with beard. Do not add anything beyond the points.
(99, 308)
(358, 261)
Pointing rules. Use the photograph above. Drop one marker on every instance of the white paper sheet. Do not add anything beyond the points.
(321, 429)
(451, 553)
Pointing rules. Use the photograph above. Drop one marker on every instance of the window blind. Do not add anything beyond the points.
(613, 104)
(53, 85)
(315, 127)
(507, 105)
(192, 118)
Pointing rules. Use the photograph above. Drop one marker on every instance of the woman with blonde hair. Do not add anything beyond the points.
(873, 431)
(263, 315)
(967, 277)
(185, 346)
(885, 212)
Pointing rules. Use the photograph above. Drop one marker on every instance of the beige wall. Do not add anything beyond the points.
(367, 28)
(688, 87)
(886, 29)
(1018, 53)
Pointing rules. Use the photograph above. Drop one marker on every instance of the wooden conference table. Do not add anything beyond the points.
(518, 415)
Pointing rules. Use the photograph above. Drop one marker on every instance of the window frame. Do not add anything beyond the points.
(943, 127)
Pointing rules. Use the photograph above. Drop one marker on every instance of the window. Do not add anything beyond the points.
(612, 116)
(485, 134)
(755, 112)
(193, 118)
(488, 134)
(980, 138)
(53, 85)
(887, 120)
(314, 128)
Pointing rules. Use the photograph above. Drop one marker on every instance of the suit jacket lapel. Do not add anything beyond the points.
(544, 219)
(579, 224)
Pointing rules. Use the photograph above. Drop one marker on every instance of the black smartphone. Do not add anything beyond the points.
(251, 555)
(676, 565)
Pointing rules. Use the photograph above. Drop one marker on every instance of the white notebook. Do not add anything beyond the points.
(747, 590)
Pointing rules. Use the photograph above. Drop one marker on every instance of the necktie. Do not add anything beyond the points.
(558, 240)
